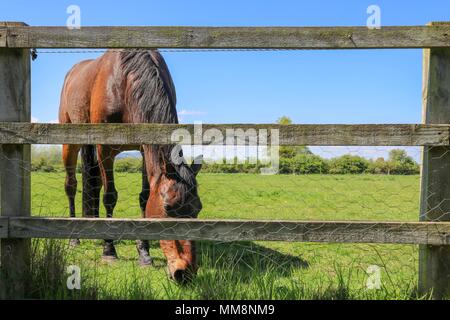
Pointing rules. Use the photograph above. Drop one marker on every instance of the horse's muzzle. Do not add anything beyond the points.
(180, 271)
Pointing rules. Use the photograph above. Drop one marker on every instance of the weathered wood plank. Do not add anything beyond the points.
(2, 36)
(4, 227)
(136, 134)
(4, 30)
(15, 105)
(436, 233)
(230, 37)
(434, 261)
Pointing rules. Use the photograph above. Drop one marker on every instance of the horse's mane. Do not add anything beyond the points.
(150, 91)
(151, 94)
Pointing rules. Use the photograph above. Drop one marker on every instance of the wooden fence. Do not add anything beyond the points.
(431, 233)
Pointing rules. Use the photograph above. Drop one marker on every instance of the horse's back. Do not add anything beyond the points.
(80, 84)
(95, 91)
(76, 91)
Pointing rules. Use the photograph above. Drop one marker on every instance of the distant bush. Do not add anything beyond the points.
(405, 168)
(348, 164)
(46, 159)
(303, 164)
(379, 166)
(235, 167)
(398, 163)
(291, 152)
(128, 164)
(300, 161)
(42, 165)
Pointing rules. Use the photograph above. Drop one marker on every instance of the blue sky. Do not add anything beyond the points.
(338, 86)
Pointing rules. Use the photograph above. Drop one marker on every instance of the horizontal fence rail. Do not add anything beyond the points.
(309, 134)
(431, 233)
(13, 36)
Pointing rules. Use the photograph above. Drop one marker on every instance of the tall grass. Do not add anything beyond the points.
(48, 272)
(228, 271)
(242, 270)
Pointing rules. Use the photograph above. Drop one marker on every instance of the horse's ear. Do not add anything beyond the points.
(197, 164)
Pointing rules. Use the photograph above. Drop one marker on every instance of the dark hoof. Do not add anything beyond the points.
(142, 247)
(109, 250)
(145, 261)
(74, 242)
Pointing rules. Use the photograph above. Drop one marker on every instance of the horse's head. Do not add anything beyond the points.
(173, 193)
(178, 190)
(173, 184)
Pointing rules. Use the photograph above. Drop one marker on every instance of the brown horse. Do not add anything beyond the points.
(130, 86)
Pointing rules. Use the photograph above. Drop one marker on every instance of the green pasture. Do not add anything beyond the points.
(243, 270)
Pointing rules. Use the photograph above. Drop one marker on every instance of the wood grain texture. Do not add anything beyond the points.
(436, 233)
(4, 227)
(2, 36)
(136, 134)
(15, 182)
(4, 30)
(230, 37)
(434, 261)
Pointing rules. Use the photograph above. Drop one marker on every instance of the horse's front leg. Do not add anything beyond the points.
(106, 155)
(70, 156)
(143, 246)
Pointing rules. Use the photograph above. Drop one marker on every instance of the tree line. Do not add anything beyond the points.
(292, 160)
(398, 162)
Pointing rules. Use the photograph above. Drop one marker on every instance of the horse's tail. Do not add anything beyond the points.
(91, 181)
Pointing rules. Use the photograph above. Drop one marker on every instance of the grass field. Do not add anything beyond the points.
(244, 270)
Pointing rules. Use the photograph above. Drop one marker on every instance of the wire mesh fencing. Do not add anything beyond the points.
(350, 189)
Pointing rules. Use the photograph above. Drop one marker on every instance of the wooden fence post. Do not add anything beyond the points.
(434, 261)
(15, 180)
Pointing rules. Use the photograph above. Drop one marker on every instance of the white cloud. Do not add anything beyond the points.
(185, 112)
(36, 120)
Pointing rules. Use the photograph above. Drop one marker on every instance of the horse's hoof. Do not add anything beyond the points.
(109, 250)
(143, 247)
(145, 261)
(74, 242)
